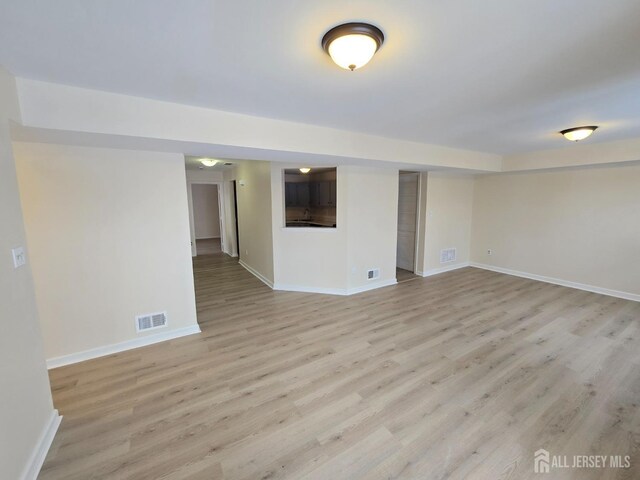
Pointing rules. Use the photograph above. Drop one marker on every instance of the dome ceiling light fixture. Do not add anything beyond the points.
(305, 169)
(352, 45)
(578, 133)
(207, 162)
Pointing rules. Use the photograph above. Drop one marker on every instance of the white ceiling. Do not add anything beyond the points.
(499, 76)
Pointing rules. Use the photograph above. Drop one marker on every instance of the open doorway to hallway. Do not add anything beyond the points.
(407, 226)
(207, 223)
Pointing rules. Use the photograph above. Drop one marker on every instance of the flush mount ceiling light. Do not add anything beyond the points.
(352, 45)
(578, 133)
(207, 162)
(305, 170)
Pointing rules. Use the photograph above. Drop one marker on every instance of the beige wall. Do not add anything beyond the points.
(447, 220)
(108, 233)
(25, 395)
(579, 226)
(228, 135)
(255, 217)
(206, 216)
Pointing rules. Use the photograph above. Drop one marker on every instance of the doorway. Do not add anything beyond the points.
(208, 227)
(407, 226)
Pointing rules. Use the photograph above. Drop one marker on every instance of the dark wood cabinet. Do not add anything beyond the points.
(302, 194)
(310, 194)
(297, 194)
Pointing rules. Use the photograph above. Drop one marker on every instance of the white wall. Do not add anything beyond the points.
(580, 226)
(206, 216)
(108, 233)
(336, 260)
(255, 217)
(25, 397)
(309, 258)
(448, 214)
(372, 216)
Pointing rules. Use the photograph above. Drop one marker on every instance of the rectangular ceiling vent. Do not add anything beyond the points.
(373, 274)
(447, 255)
(151, 321)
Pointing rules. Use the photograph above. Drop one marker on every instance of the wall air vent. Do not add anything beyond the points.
(447, 255)
(373, 274)
(151, 321)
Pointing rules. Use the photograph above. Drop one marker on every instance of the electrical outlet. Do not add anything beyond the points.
(489, 252)
(19, 257)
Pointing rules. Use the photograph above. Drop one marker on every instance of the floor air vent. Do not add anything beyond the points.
(151, 321)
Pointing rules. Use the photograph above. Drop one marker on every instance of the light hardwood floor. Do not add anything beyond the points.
(208, 246)
(461, 375)
(403, 275)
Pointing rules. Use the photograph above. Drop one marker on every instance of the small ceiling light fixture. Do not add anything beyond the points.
(305, 170)
(207, 162)
(352, 45)
(578, 133)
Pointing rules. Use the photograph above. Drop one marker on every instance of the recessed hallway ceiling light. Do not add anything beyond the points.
(207, 162)
(305, 170)
(352, 45)
(578, 133)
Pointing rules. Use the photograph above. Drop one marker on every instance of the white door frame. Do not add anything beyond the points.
(192, 227)
(419, 216)
(416, 238)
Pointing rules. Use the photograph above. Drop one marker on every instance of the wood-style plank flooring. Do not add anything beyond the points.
(208, 246)
(403, 275)
(461, 375)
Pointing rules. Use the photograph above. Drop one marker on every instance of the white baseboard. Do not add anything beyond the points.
(303, 289)
(256, 274)
(448, 268)
(335, 291)
(36, 459)
(372, 286)
(558, 281)
(56, 362)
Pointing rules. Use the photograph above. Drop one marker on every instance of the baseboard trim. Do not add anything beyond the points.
(37, 457)
(448, 268)
(63, 360)
(335, 291)
(372, 286)
(303, 289)
(256, 274)
(557, 281)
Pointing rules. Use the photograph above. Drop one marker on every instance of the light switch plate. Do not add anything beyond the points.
(19, 257)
